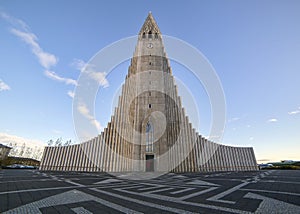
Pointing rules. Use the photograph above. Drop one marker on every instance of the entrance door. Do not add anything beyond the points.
(149, 163)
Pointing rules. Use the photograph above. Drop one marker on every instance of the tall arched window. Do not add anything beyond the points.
(149, 137)
(144, 35)
(150, 34)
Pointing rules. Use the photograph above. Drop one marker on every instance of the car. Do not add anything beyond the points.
(19, 166)
(265, 165)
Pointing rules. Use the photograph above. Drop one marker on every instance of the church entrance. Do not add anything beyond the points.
(149, 163)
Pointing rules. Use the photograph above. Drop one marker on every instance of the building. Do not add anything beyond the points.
(149, 130)
(4, 151)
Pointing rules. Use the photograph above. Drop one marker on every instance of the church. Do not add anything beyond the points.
(149, 131)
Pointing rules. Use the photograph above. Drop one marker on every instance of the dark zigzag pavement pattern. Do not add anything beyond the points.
(31, 191)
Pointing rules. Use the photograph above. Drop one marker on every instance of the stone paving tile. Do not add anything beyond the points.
(31, 191)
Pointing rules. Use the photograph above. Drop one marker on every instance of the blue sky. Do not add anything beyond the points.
(254, 47)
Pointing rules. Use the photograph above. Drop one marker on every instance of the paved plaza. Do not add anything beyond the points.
(32, 191)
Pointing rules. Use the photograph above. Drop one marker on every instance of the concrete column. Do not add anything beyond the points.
(78, 156)
(73, 167)
(44, 162)
(205, 155)
(187, 145)
(65, 151)
(101, 152)
(210, 162)
(60, 158)
(51, 158)
(254, 163)
(104, 150)
(194, 150)
(185, 141)
(92, 154)
(118, 141)
(232, 159)
(248, 159)
(71, 159)
(226, 157)
(113, 145)
(200, 154)
(238, 159)
(110, 146)
(56, 155)
(82, 157)
(219, 158)
(97, 155)
(214, 156)
(83, 160)
(243, 158)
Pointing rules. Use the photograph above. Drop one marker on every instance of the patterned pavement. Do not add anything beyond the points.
(31, 191)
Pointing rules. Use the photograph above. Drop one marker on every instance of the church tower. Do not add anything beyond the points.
(149, 130)
(150, 110)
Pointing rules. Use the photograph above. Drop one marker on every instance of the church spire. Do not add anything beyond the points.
(149, 27)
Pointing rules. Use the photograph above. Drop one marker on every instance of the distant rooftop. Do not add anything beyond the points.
(3, 146)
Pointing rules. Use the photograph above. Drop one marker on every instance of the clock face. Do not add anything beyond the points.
(149, 45)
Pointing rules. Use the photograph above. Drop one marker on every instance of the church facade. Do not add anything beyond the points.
(149, 130)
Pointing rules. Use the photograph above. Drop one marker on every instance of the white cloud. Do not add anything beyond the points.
(78, 64)
(4, 86)
(14, 21)
(96, 124)
(233, 119)
(273, 120)
(83, 109)
(56, 131)
(294, 112)
(23, 147)
(54, 76)
(71, 94)
(251, 138)
(45, 59)
(99, 77)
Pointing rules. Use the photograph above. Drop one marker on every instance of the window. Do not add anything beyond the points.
(156, 36)
(144, 35)
(150, 34)
(149, 137)
(150, 104)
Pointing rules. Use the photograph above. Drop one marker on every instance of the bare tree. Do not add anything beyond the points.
(22, 150)
(58, 142)
(50, 142)
(28, 152)
(67, 143)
